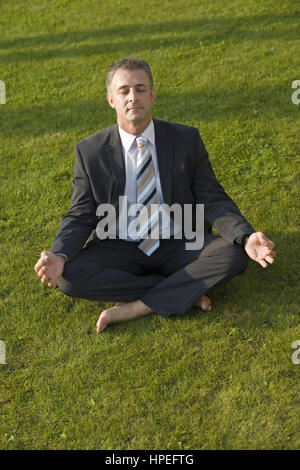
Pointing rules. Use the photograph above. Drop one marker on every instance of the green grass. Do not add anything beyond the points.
(218, 380)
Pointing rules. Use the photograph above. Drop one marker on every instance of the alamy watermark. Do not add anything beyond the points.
(296, 94)
(2, 352)
(296, 354)
(187, 222)
(2, 92)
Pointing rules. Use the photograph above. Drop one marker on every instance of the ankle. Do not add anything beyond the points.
(141, 308)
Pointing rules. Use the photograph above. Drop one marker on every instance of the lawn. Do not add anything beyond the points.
(215, 380)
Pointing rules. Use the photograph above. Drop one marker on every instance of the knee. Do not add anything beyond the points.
(67, 286)
(70, 282)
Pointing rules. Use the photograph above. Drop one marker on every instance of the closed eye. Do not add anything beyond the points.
(124, 90)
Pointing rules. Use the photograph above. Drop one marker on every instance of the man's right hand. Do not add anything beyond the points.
(49, 267)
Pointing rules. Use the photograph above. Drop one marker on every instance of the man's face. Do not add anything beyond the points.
(131, 96)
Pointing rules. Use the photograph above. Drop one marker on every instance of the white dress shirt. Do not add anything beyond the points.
(130, 150)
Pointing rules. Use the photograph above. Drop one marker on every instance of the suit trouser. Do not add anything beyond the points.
(169, 281)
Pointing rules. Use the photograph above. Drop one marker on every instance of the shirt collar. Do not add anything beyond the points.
(149, 133)
(127, 139)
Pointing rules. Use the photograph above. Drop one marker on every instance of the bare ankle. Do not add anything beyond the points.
(140, 308)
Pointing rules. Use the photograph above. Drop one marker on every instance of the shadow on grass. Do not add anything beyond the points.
(121, 39)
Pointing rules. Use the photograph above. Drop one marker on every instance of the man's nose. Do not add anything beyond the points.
(132, 94)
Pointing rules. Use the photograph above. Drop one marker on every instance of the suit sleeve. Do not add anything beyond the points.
(219, 208)
(81, 219)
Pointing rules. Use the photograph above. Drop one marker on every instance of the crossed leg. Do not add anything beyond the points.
(186, 274)
(169, 282)
(123, 311)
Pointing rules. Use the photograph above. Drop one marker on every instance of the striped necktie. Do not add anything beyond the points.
(147, 195)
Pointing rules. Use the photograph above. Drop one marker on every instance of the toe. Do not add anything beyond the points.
(205, 303)
(102, 322)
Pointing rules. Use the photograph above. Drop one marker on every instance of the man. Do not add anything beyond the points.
(146, 160)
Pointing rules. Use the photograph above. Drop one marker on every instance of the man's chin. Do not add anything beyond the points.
(137, 119)
(136, 114)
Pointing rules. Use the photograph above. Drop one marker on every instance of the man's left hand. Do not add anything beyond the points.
(259, 248)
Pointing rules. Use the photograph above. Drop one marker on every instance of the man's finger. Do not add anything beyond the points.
(43, 271)
(43, 274)
(38, 265)
(270, 259)
(269, 252)
(269, 255)
(45, 278)
(270, 244)
(265, 241)
(263, 263)
(41, 262)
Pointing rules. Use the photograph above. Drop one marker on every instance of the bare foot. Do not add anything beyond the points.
(103, 320)
(122, 311)
(204, 302)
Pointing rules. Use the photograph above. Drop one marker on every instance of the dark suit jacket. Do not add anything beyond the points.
(186, 177)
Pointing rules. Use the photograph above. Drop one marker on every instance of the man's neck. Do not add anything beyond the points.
(134, 128)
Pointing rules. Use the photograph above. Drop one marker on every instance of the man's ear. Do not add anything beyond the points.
(153, 94)
(110, 100)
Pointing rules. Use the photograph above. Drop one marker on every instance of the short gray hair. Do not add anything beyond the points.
(129, 63)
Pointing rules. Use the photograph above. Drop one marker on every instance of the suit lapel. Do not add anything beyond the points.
(116, 161)
(165, 155)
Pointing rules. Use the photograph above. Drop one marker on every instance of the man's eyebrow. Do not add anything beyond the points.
(128, 86)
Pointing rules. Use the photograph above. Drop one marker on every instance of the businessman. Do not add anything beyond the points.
(150, 164)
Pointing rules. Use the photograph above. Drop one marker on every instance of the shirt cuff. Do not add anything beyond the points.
(241, 240)
(61, 254)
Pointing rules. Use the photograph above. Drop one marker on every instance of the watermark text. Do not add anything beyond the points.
(2, 352)
(296, 94)
(2, 92)
(296, 354)
(176, 221)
